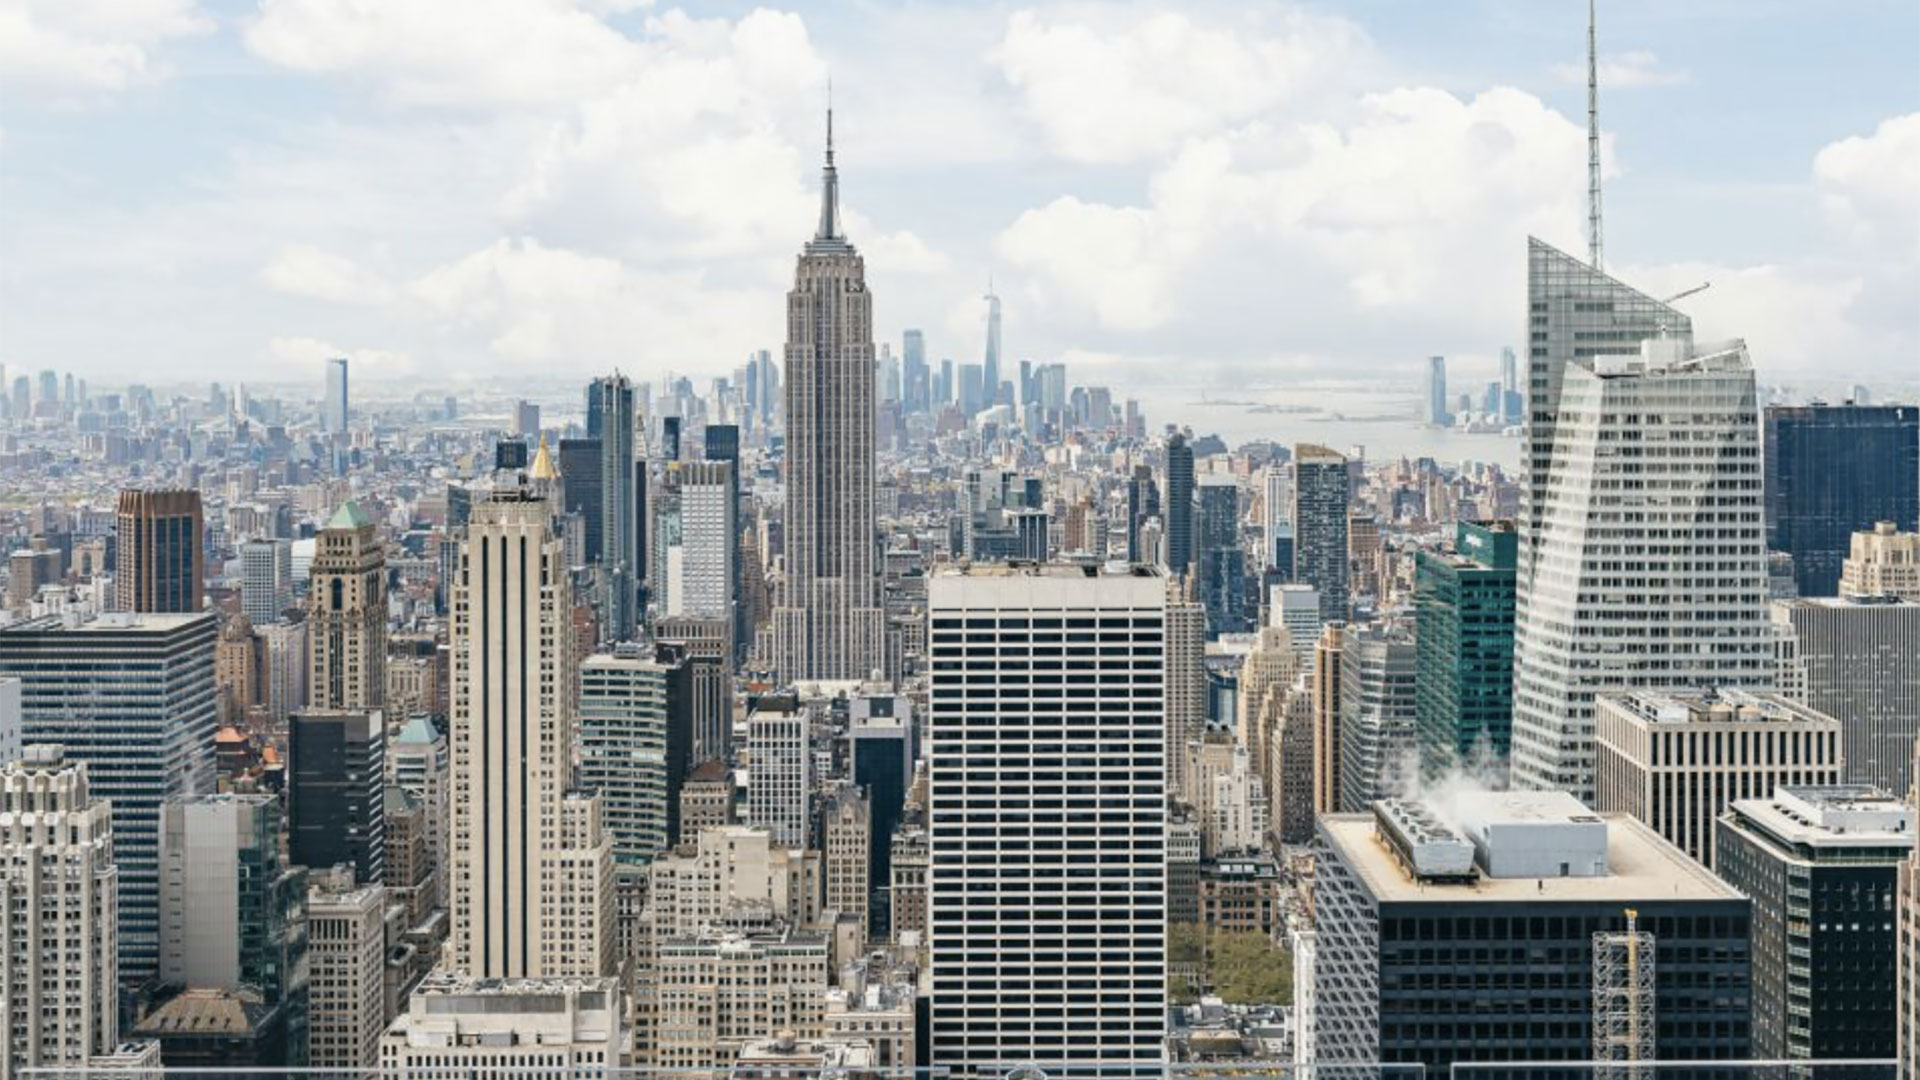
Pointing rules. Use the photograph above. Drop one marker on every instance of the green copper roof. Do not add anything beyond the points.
(417, 731)
(349, 516)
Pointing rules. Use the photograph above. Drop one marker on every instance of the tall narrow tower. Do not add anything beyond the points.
(829, 622)
(347, 614)
(990, 369)
(1594, 245)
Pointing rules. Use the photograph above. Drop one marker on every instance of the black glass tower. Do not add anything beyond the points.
(1832, 470)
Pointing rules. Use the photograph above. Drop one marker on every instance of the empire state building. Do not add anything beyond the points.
(829, 622)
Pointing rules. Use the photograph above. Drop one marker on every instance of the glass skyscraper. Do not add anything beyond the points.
(1833, 470)
(1463, 681)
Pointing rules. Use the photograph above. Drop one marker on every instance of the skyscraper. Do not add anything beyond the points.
(1080, 903)
(622, 506)
(829, 623)
(916, 386)
(347, 614)
(59, 971)
(580, 488)
(1862, 657)
(131, 697)
(333, 410)
(1320, 494)
(1377, 740)
(1143, 503)
(694, 542)
(990, 366)
(627, 722)
(347, 953)
(1221, 563)
(530, 868)
(1437, 413)
(1834, 470)
(1649, 569)
(1179, 504)
(160, 564)
(336, 791)
(780, 788)
(1463, 686)
(266, 580)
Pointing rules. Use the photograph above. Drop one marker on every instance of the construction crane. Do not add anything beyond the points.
(1700, 288)
(1623, 1000)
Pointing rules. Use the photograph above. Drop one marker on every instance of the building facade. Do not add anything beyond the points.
(1833, 470)
(336, 791)
(1862, 661)
(1321, 492)
(1463, 602)
(160, 565)
(347, 614)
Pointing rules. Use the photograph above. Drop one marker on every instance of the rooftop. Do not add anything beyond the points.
(1844, 815)
(1640, 867)
(1712, 706)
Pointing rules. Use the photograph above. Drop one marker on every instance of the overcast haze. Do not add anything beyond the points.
(1186, 193)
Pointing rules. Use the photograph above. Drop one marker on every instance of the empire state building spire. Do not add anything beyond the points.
(829, 230)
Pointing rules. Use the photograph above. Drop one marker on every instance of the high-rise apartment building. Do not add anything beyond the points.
(530, 869)
(59, 972)
(1328, 682)
(1415, 916)
(266, 580)
(1822, 865)
(1832, 470)
(131, 697)
(1321, 488)
(623, 504)
(1648, 569)
(160, 563)
(1377, 738)
(1676, 760)
(1463, 599)
(1882, 561)
(336, 791)
(1185, 688)
(780, 769)
(829, 624)
(347, 961)
(1179, 504)
(347, 614)
(1276, 557)
(1019, 766)
(1220, 578)
(695, 539)
(1862, 661)
(233, 914)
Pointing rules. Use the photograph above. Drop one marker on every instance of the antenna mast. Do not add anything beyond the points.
(1594, 246)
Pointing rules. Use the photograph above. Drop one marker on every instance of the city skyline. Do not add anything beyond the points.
(1121, 237)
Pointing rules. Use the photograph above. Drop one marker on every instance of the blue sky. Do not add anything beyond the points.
(1164, 193)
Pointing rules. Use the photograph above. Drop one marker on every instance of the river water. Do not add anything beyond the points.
(1339, 416)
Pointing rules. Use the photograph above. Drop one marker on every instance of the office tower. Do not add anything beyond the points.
(695, 540)
(629, 733)
(12, 720)
(1143, 502)
(1677, 760)
(530, 868)
(347, 614)
(1277, 531)
(1822, 865)
(232, 913)
(971, 393)
(28, 571)
(1907, 914)
(336, 791)
(723, 446)
(526, 419)
(915, 388)
(346, 955)
(1509, 374)
(881, 751)
(846, 827)
(699, 646)
(467, 1024)
(1406, 906)
(1296, 609)
(130, 697)
(1463, 599)
(779, 770)
(1882, 561)
(1437, 413)
(1328, 681)
(59, 974)
(266, 580)
(990, 368)
(943, 387)
(1618, 597)
(417, 763)
(1221, 576)
(509, 455)
(669, 439)
(160, 565)
(622, 505)
(1377, 737)
(580, 491)
(829, 623)
(286, 657)
(1862, 659)
(1082, 904)
(1832, 470)
(333, 410)
(1179, 522)
(1320, 492)
(1289, 723)
(1186, 683)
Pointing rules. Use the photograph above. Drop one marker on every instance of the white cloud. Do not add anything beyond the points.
(305, 270)
(475, 55)
(307, 354)
(1623, 71)
(1871, 184)
(83, 47)
(1104, 95)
